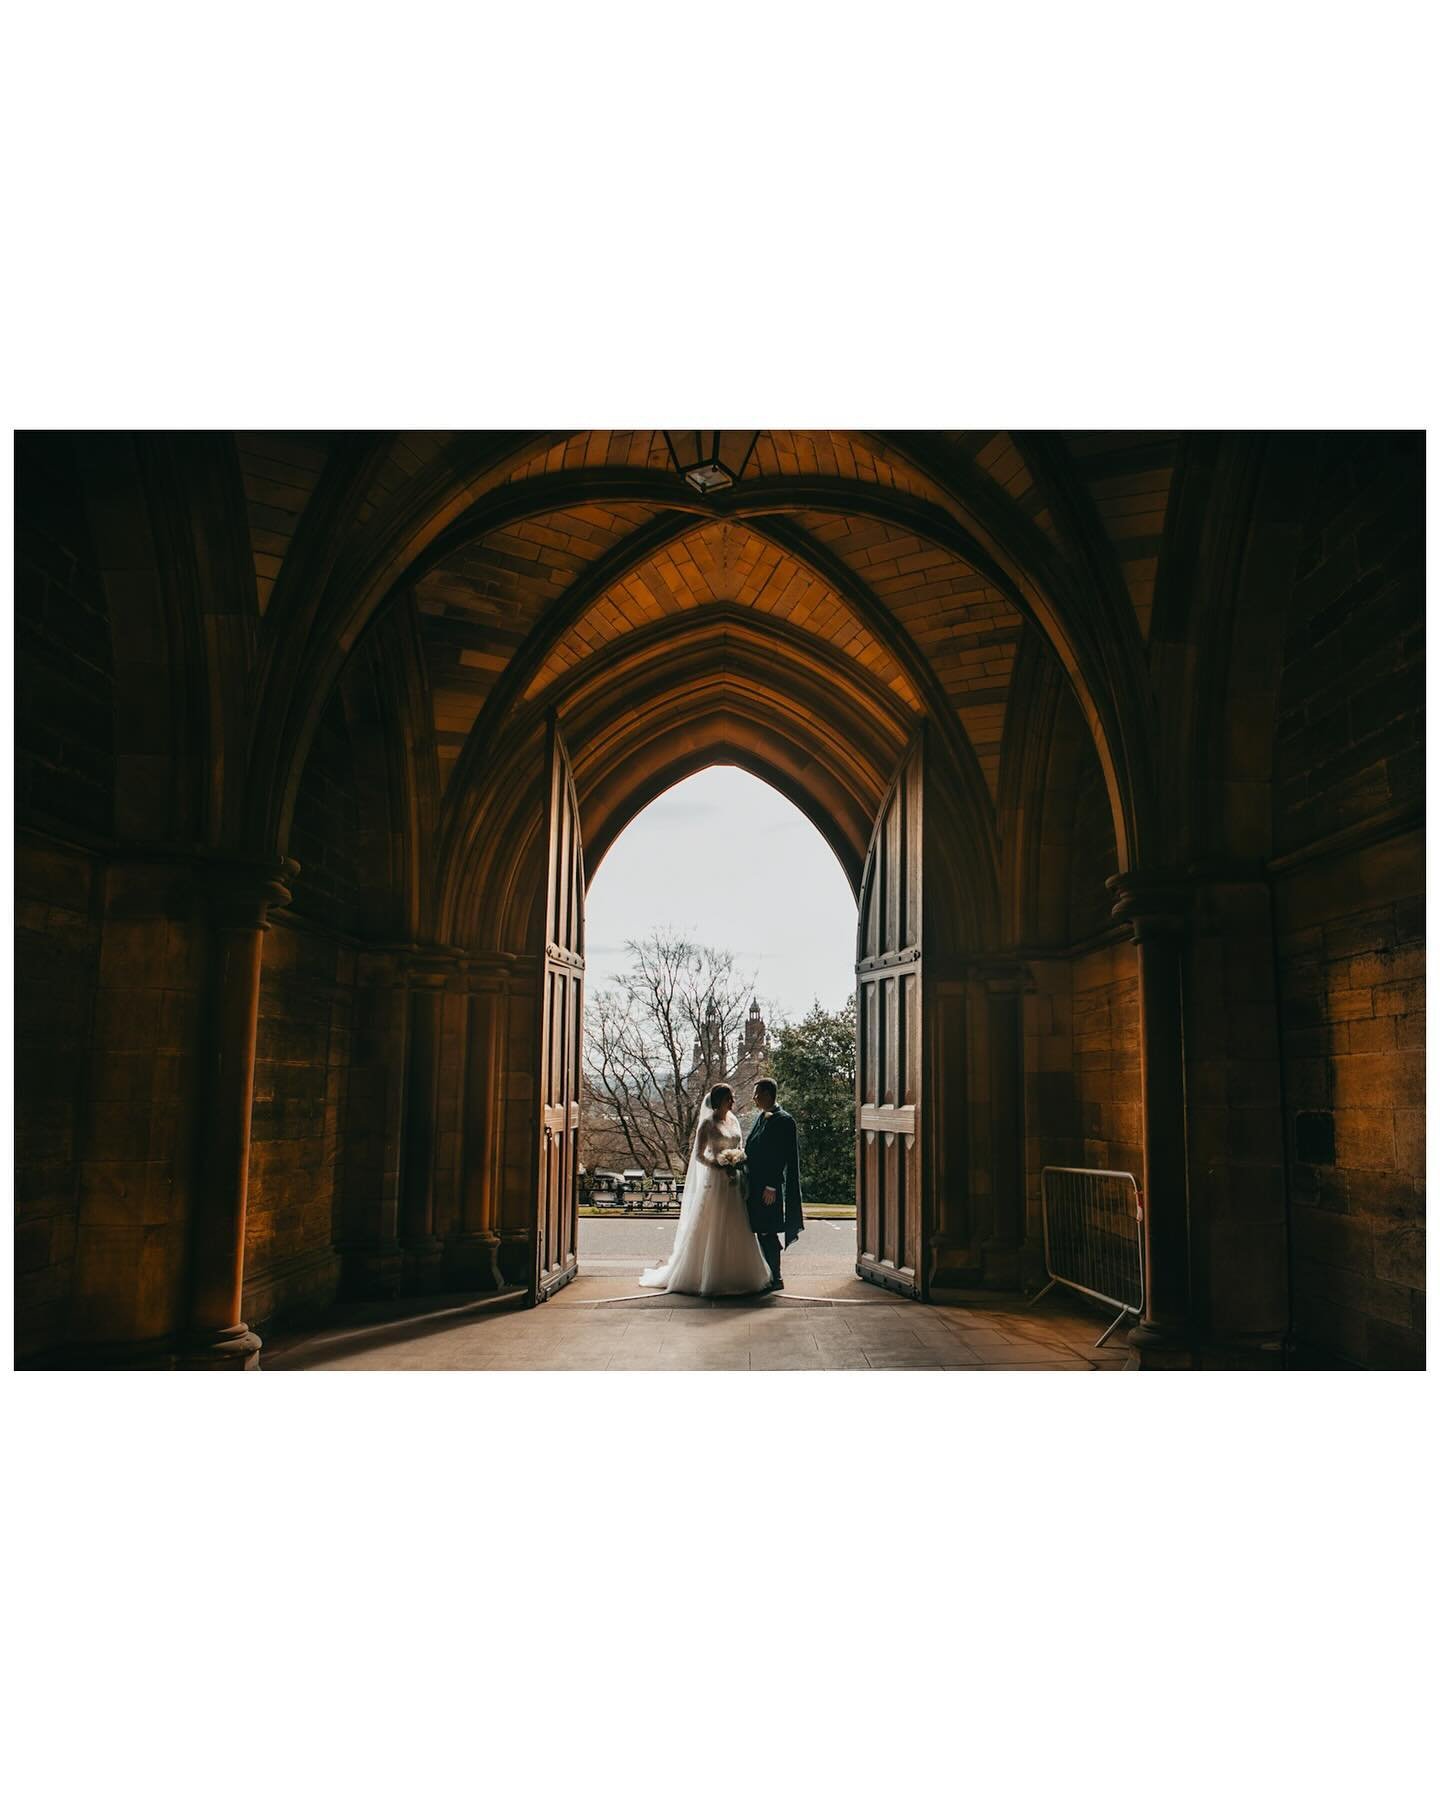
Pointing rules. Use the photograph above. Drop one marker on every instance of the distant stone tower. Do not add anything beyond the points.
(754, 1045)
(709, 1050)
(751, 1050)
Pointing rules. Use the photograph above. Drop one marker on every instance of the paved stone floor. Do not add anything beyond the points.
(825, 1319)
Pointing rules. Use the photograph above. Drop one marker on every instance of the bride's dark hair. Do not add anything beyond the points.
(721, 1095)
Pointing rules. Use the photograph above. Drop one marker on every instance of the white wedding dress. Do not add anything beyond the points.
(715, 1251)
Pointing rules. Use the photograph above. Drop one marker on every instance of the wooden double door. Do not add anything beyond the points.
(891, 1195)
(561, 1006)
(891, 1198)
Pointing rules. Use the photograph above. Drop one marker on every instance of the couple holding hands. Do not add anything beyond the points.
(742, 1191)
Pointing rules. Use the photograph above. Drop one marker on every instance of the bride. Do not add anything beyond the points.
(715, 1251)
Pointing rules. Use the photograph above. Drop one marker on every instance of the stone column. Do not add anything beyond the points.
(372, 1260)
(426, 976)
(1155, 908)
(475, 1253)
(1234, 1091)
(241, 896)
(1004, 985)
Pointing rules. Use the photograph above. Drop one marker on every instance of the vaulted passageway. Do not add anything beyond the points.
(1116, 736)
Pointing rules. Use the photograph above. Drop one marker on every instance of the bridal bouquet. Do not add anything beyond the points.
(733, 1163)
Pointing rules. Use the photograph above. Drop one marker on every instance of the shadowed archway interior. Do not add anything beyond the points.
(1119, 735)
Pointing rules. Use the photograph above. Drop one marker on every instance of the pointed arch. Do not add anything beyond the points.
(167, 521)
(1007, 550)
(387, 710)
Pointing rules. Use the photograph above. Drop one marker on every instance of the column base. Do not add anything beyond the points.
(953, 1262)
(517, 1259)
(424, 1265)
(1032, 1271)
(371, 1274)
(236, 1347)
(1158, 1347)
(1264, 1351)
(472, 1262)
(1000, 1263)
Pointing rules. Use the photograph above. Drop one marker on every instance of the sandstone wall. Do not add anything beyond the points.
(1352, 980)
(304, 1047)
(57, 949)
(1349, 899)
(1106, 1036)
(1081, 1014)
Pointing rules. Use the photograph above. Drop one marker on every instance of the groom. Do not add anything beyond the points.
(772, 1157)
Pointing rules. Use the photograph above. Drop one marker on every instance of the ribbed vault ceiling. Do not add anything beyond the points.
(722, 564)
(479, 605)
(528, 557)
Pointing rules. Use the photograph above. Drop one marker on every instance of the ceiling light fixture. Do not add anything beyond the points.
(711, 460)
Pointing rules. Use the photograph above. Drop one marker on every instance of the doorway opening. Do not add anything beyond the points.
(917, 906)
(720, 947)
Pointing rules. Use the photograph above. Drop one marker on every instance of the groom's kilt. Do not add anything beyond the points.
(763, 1217)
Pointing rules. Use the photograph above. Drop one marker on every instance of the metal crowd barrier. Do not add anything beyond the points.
(1093, 1238)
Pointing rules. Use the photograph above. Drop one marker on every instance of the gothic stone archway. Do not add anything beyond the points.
(1118, 647)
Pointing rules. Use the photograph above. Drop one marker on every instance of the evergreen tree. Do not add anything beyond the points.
(813, 1063)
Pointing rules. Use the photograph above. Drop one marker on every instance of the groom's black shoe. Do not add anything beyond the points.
(776, 1285)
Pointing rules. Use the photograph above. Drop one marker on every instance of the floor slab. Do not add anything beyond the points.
(825, 1320)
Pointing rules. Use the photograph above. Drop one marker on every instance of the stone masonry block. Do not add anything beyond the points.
(1410, 1140)
(1389, 1346)
(1383, 1196)
(1400, 997)
(1367, 931)
(1307, 1082)
(1364, 1139)
(1399, 1252)
(1380, 1081)
(1334, 1238)
(1372, 1036)
(1349, 1003)
(1376, 967)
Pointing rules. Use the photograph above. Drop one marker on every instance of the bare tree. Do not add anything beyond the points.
(656, 1039)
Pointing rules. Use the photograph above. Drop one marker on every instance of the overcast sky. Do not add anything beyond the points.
(688, 861)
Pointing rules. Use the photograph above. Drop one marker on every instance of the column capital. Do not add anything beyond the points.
(997, 972)
(411, 965)
(488, 972)
(1152, 903)
(244, 890)
(432, 966)
(1003, 975)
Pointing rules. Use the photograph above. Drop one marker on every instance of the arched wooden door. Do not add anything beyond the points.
(890, 1184)
(562, 985)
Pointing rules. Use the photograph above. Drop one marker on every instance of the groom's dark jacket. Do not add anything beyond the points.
(772, 1159)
